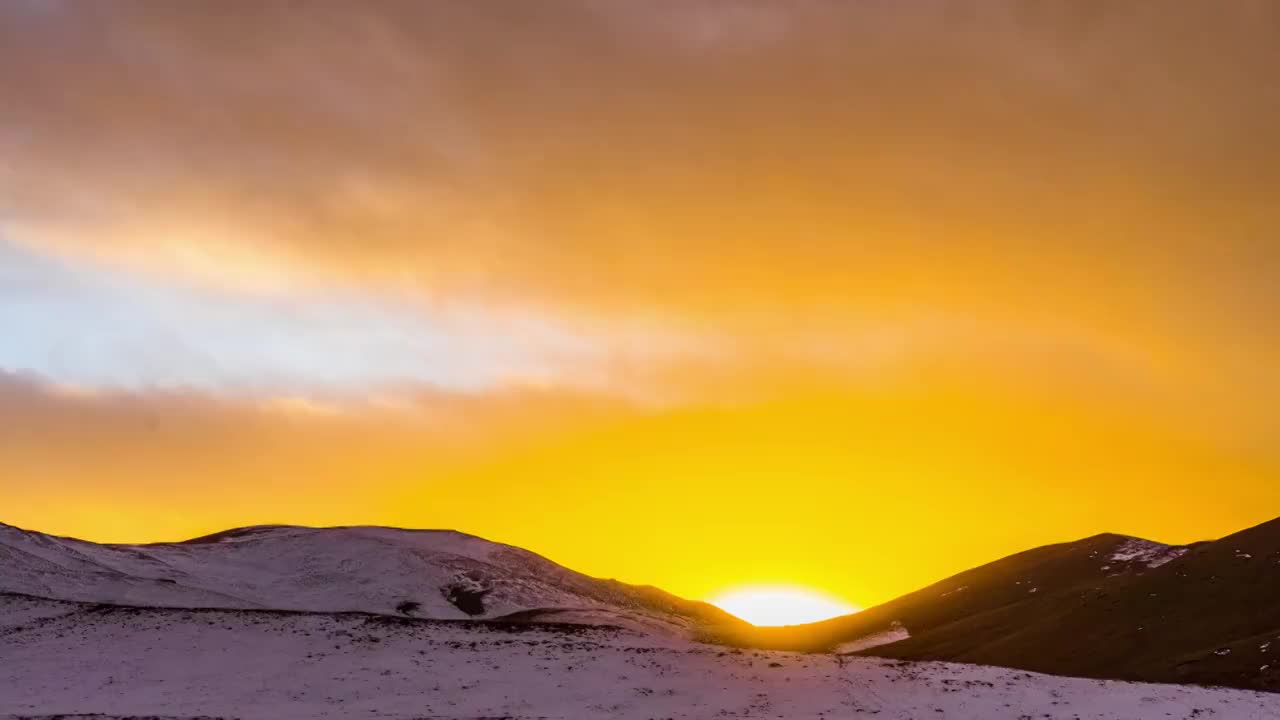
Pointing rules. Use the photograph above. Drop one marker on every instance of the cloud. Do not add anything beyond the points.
(335, 251)
(701, 171)
(89, 324)
(723, 158)
(146, 465)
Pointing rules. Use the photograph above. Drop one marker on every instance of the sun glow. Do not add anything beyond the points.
(781, 605)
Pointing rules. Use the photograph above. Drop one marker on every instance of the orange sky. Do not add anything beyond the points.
(848, 296)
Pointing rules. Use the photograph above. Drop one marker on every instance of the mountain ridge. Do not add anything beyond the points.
(437, 574)
(1108, 606)
(1105, 606)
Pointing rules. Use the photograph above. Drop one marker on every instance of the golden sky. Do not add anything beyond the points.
(841, 295)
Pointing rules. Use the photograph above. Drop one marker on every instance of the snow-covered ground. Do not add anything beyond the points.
(1150, 554)
(66, 659)
(895, 633)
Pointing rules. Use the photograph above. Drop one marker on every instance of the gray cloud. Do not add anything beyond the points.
(502, 144)
(1098, 172)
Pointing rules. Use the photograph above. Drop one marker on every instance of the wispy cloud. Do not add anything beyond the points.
(80, 324)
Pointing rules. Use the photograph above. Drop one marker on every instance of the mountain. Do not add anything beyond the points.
(1107, 606)
(293, 622)
(432, 574)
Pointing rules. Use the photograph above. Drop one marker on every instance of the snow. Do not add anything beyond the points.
(367, 569)
(296, 623)
(1150, 554)
(64, 659)
(895, 633)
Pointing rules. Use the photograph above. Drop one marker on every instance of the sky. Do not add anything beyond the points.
(847, 296)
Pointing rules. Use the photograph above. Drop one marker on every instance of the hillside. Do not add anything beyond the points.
(421, 573)
(1106, 606)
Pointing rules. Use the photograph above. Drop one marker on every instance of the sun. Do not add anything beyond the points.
(781, 605)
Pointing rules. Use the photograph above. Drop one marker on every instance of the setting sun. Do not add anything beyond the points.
(781, 605)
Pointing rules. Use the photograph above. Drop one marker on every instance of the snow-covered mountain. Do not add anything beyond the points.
(292, 623)
(421, 573)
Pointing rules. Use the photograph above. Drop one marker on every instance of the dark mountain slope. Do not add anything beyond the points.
(976, 597)
(1206, 617)
(1107, 606)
